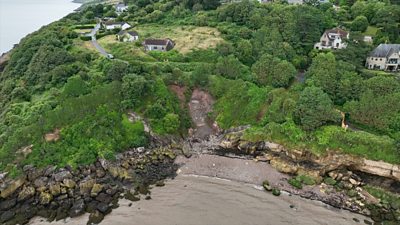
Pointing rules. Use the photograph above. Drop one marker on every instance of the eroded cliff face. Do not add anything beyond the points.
(304, 162)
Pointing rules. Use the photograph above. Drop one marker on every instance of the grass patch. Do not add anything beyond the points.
(301, 180)
(385, 196)
(186, 38)
(371, 31)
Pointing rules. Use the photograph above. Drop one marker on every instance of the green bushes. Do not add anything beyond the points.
(85, 38)
(239, 102)
(301, 180)
(99, 135)
(85, 26)
(358, 143)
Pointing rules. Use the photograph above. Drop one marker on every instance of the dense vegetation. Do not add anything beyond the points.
(255, 72)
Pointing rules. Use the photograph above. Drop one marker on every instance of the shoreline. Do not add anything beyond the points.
(199, 194)
(16, 42)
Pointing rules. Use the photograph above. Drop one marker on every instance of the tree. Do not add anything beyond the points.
(134, 87)
(117, 70)
(314, 109)
(322, 73)
(360, 23)
(75, 87)
(273, 71)
(245, 52)
(229, 67)
(171, 123)
(200, 75)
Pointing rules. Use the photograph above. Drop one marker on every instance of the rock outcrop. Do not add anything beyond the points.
(58, 193)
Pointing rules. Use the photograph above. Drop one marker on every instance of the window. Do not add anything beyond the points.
(155, 47)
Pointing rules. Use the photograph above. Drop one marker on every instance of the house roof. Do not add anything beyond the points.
(384, 50)
(337, 30)
(120, 5)
(113, 23)
(132, 33)
(157, 41)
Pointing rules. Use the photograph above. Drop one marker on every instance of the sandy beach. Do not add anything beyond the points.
(224, 192)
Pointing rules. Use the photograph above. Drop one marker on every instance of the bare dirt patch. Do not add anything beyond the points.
(53, 136)
(200, 106)
(179, 92)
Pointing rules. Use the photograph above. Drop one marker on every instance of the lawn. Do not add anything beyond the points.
(371, 31)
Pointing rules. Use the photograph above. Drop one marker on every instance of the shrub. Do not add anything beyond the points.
(295, 183)
(329, 181)
(85, 38)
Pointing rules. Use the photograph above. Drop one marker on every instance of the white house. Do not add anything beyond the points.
(332, 39)
(127, 36)
(158, 44)
(121, 7)
(384, 57)
(110, 25)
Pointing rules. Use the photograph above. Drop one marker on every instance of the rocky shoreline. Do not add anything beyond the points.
(59, 193)
(55, 194)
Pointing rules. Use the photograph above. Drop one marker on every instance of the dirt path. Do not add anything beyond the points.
(200, 106)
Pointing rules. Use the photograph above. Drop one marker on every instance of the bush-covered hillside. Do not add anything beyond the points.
(257, 60)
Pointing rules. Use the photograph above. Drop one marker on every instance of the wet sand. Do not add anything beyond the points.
(198, 200)
(207, 199)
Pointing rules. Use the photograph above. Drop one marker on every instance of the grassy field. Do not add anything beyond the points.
(124, 50)
(371, 31)
(186, 38)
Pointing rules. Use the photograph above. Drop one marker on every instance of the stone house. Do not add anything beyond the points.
(333, 39)
(127, 36)
(158, 44)
(384, 57)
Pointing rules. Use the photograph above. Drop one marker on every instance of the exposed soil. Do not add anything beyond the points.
(179, 91)
(200, 106)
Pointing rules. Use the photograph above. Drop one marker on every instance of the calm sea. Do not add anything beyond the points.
(21, 17)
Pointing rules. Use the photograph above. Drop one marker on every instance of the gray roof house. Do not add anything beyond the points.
(384, 57)
(121, 7)
(158, 44)
(127, 36)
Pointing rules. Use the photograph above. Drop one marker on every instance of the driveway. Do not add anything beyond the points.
(94, 41)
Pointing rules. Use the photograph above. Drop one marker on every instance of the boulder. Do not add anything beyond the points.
(266, 185)
(69, 183)
(55, 189)
(103, 207)
(60, 176)
(40, 183)
(273, 146)
(95, 218)
(379, 168)
(103, 197)
(45, 198)
(6, 216)
(12, 187)
(85, 187)
(26, 192)
(7, 204)
(119, 172)
(284, 166)
(96, 189)
(78, 208)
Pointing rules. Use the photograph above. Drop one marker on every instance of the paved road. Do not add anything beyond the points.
(94, 41)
